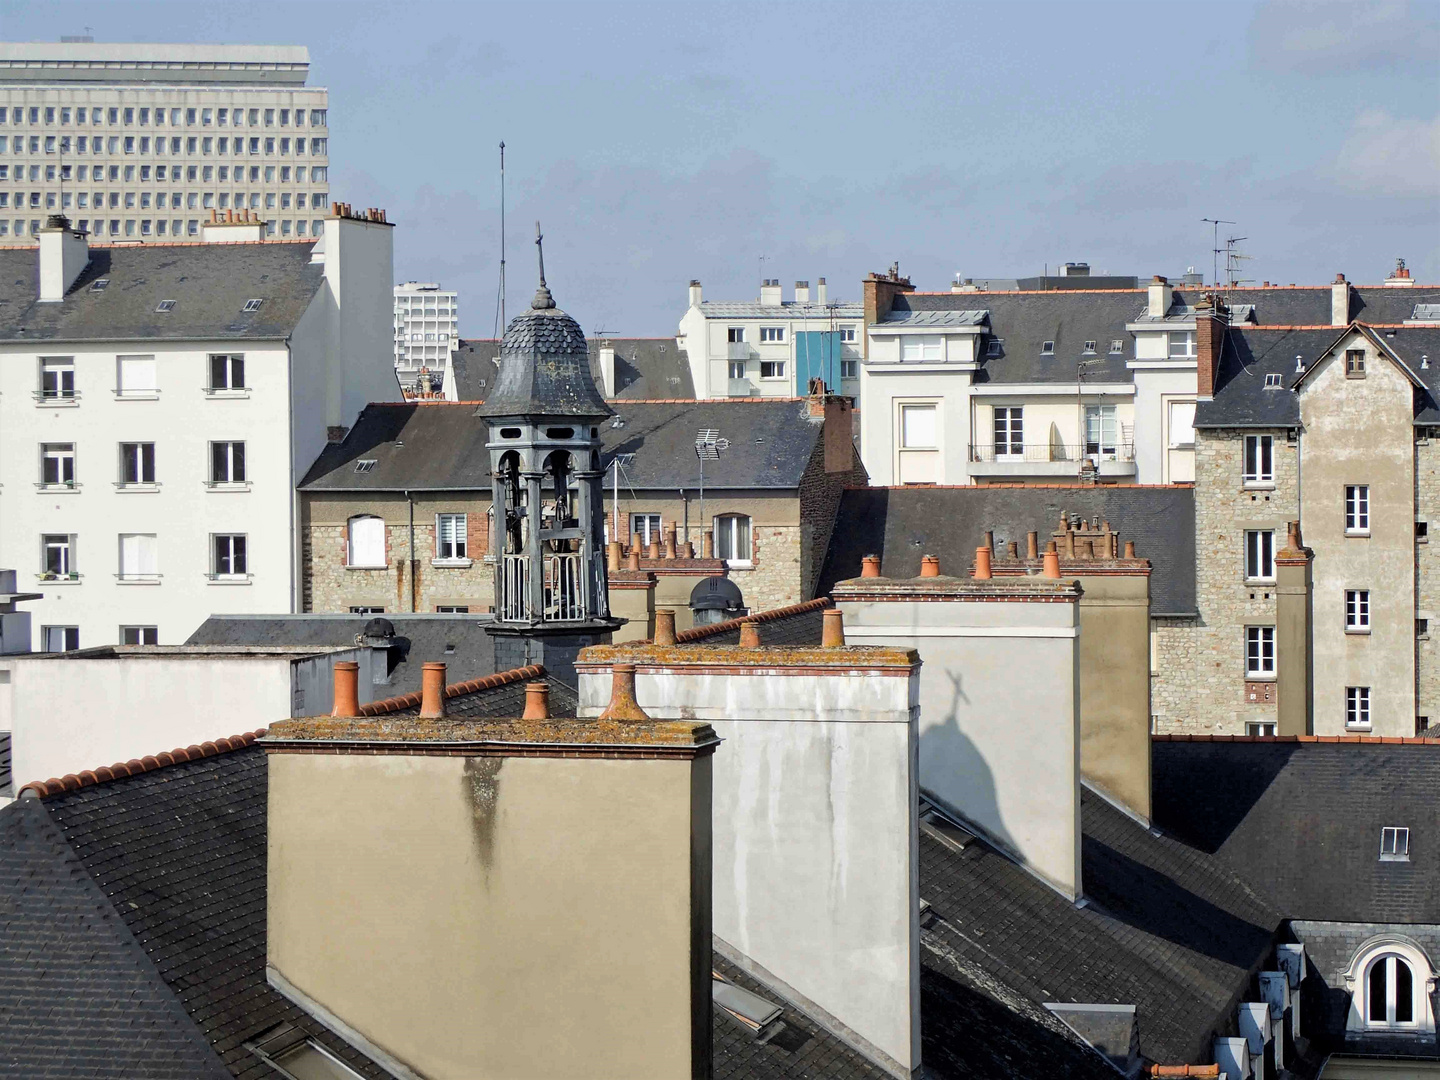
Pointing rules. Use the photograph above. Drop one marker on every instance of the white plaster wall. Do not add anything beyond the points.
(815, 833)
(359, 269)
(182, 513)
(1155, 388)
(71, 714)
(883, 387)
(697, 355)
(999, 717)
(1151, 345)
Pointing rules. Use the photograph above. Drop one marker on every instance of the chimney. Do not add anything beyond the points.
(694, 292)
(749, 634)
(1211, 319)
(232, 227)
(1032, 545)
(929, 566)
(802, 292)
(358, 258)
(770, 292)
(1051, 567)
(880, 291)
(432, 691)
(982, 564)
(1400, 276)
(537, 701)
(64, 254)
(1340, 302)
(1160, 295)
(607, 367)
(457, 885)
(870, 566)
(822, 295)
(623, 707)
(664, 626)
(347, 689)
(832, 629)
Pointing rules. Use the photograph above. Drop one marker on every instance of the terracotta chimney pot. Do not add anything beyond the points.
(432, 691)
(930, 565)
(1032, 544)
(687, 550)
(1052, 561)
(612, 556)
(707, 543)
(632, 561)
(654, 552)
(1012, 550)
(832, 629)
(1129, 549)
(623, 705)
(347, 689)
(664, 626)
(670, 541)
(982, 563)
(869, 566)
(990, 539)
(537, 701)
(749, 634)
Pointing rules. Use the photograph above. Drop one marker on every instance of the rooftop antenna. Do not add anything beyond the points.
(1215, 247)
(500, 329)
(762, 269)
(1232, 259)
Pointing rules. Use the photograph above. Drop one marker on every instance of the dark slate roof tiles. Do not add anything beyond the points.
(644, 368)
(544, 367)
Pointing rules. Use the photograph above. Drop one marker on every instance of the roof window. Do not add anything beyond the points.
(993, 349)
(1274, 381)
(165, 305)
(762, 1017)
(98, 285)
(1394, 844)
(254, 305)
(365, 465)
(1047, 348)
(1117, 345)
(1089, 346)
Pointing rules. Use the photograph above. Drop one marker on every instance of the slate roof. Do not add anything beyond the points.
(644, 368)
(932, 318)
(7, 788)
(418, 639)
(771, 441)
(901, 524)
(1382, 304)
(544, 367)
(77, 995)
(789, 309)
(209, 283)
(1301, 821)
(1167, 929)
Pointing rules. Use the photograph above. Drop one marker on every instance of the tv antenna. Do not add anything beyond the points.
(501, 328)
(1233, 259)
(1215, 249)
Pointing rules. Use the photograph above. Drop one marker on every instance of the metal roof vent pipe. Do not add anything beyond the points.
(347, 689)
(537, 701)
(432, 691)
(870, 566)
(930, 566)
(1052, 561)
(623, 705)
(664, 626)
(832, 629)
(982, 564)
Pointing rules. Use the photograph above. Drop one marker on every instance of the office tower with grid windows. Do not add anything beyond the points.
(141, 142)
(427, 332)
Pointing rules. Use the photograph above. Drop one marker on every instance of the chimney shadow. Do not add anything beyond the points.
(1201, 792)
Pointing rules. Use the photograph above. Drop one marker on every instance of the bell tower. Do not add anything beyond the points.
(543, 416)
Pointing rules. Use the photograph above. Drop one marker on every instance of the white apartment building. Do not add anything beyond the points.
(427, 332)
(142, 142)
(158, 405)
(772, 347)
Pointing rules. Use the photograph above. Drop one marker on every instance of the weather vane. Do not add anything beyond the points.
(540, 250)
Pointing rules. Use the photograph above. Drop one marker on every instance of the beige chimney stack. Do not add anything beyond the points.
(1340, 302)
(802, 292)
(64, 254)
(1159, 297)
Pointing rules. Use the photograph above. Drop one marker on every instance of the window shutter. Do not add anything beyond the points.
(137, 373)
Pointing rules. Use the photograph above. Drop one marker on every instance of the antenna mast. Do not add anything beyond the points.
(1215, 248)
(502, 237)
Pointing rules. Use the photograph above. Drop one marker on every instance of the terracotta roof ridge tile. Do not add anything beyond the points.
(1386, 740)
(699, 633)
(700, 401)
(136, 766)
(1184, 485)
(470, 686)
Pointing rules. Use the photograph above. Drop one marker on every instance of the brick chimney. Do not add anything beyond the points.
(880, 292)
(1340, 302)
(1211, 319)
(64, 254)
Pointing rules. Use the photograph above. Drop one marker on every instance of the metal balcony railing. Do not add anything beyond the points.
(565, 587)
(515, 588)
(1051, 452)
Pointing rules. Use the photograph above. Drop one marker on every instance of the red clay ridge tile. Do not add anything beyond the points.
(470, 686)
(699, 633)
(1388, 740)
(136, 766)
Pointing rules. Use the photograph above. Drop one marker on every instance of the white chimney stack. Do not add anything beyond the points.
(1159, 298)
(695, 292)
(64, 254)
(233, 227)
(607, 364)
(770, 292)
(802, 292)
(1340, 302)
(822, 296)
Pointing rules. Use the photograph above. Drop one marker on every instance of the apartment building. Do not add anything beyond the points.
(427, 333)
(158, 405)
(142, 141)
(772, 347)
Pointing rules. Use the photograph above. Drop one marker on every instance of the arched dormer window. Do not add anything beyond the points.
(365, 542)
(1391, 982)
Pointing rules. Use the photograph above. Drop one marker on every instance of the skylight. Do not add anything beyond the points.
(254, 305)
(165, 305)
(365, 464)
(1089, 346)
(994, 347)
(1274, 381)
(1047, 348)
(1394, 844)
(98, 285)
(1117, 345)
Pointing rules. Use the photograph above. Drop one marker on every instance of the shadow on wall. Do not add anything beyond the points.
(954, 773)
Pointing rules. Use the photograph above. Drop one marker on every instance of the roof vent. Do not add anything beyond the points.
(254, 305)
(1424, 361)
(165, 305)
(752, 1010)
(1299, 363)
(365, 465)
(98, 285)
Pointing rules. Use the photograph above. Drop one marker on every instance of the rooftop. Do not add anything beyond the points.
(644, 367)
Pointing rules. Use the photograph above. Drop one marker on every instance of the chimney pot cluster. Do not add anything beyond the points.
(345, 210)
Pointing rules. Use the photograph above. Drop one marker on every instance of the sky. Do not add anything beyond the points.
(728, 142)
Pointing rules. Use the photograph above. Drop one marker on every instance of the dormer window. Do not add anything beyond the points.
(164, 306)
(1394, 844)
(1273, 381)
(253, 305)
(1117, 345)
(1089, 346)
(1047, 348)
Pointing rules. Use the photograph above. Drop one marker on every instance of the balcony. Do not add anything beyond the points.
(738, 350)
(1051, 459)
(741, 388)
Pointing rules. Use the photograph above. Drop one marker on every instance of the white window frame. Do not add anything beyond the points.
(143, 635)
(735, 369)
(1257, 464)
(730, 543)
(735, 335)
(134, 458)
(1357, 611)
(1357, 707)
(1395, 843)
(647, 525)
(922, 348)
(232, 557)
(227, 470)
(136, 377)
(360, 552)
(231, 372)
(1185, 340)
(1260, 729)
(63, 455)
(847, 335)
(776, 369)
(63, 545)
(1104, 422)
(772, 335)
(451, 529)
(1174, 425)
(1377, 951)
(1357, 509)
(69, 638)
(1259, 555)
(849, 369)
(59, 372)
(1389, 964)
(1260, 652)
(1008, 431)
(139, 560)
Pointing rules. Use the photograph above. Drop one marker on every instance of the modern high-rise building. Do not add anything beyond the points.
(139, 142)
(427, 330)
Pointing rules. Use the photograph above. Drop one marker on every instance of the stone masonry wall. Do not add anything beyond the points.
(1427, 579)
(820, 494)
(1199, 685)
(331, 586)
(774, 579)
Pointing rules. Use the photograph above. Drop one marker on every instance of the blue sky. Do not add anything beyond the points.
(664, 142)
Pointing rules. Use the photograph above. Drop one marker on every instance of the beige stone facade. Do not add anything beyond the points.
(1427, 578)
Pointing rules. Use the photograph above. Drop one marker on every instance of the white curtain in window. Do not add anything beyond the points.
(732, 538)
(915, 348)
(917, 424)
(138, 554)
(137, 373)
(367, 541)
(1182, 423)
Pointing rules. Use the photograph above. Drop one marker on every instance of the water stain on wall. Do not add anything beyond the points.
(481, 791)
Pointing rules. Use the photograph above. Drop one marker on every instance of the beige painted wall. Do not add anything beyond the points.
(1360, 431)
(436, 908)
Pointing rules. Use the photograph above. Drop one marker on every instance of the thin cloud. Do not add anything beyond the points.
(1387, 155)
(1331, 38)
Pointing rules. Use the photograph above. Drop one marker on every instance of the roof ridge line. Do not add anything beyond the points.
(470, 686)
(1184, 485)
(1387, 740)
(699, 633)
(121, 769)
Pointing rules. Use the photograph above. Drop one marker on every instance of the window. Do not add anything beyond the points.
(361, 609)
(1260, 728)
(1182, 344)
(1182, 425)
(1357, 706)
(452, 609)
(1357, 611)
(920, 349)
(1102, 430)
(137, 463)
(732, 538)
(1355, 363)
(1259, 651)
(1389, 993)
(59, 638)
(994, 346)
(135, 376)
(1394, 844)
(917, 427)
(1259, 465)
(1357, 509)
(735, 334)
(1259, 555)
(228, 556)
(772, 369)
(139, 635)
(1009, 433)
(254, 305)
(227, 463)
(365, 546)
(227, 371)
(847, 335)
(1274, 381)
(57, 554)
(1117, 345)
(1089, 346)
(1422, 532)
(57, 464)
(57, 378)
(450, 536)
(772, 334)
(1047, 348)
(138, 557)
(1422, 629)
(849, 369)
(645, 526)
(735, 369)
(365, 465)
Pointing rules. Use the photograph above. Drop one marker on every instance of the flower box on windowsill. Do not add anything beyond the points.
(72, 578)
(452, 564)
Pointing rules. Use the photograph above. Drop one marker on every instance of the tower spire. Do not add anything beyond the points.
(543, 299)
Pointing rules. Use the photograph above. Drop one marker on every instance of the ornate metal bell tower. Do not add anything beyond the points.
(547, 488)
